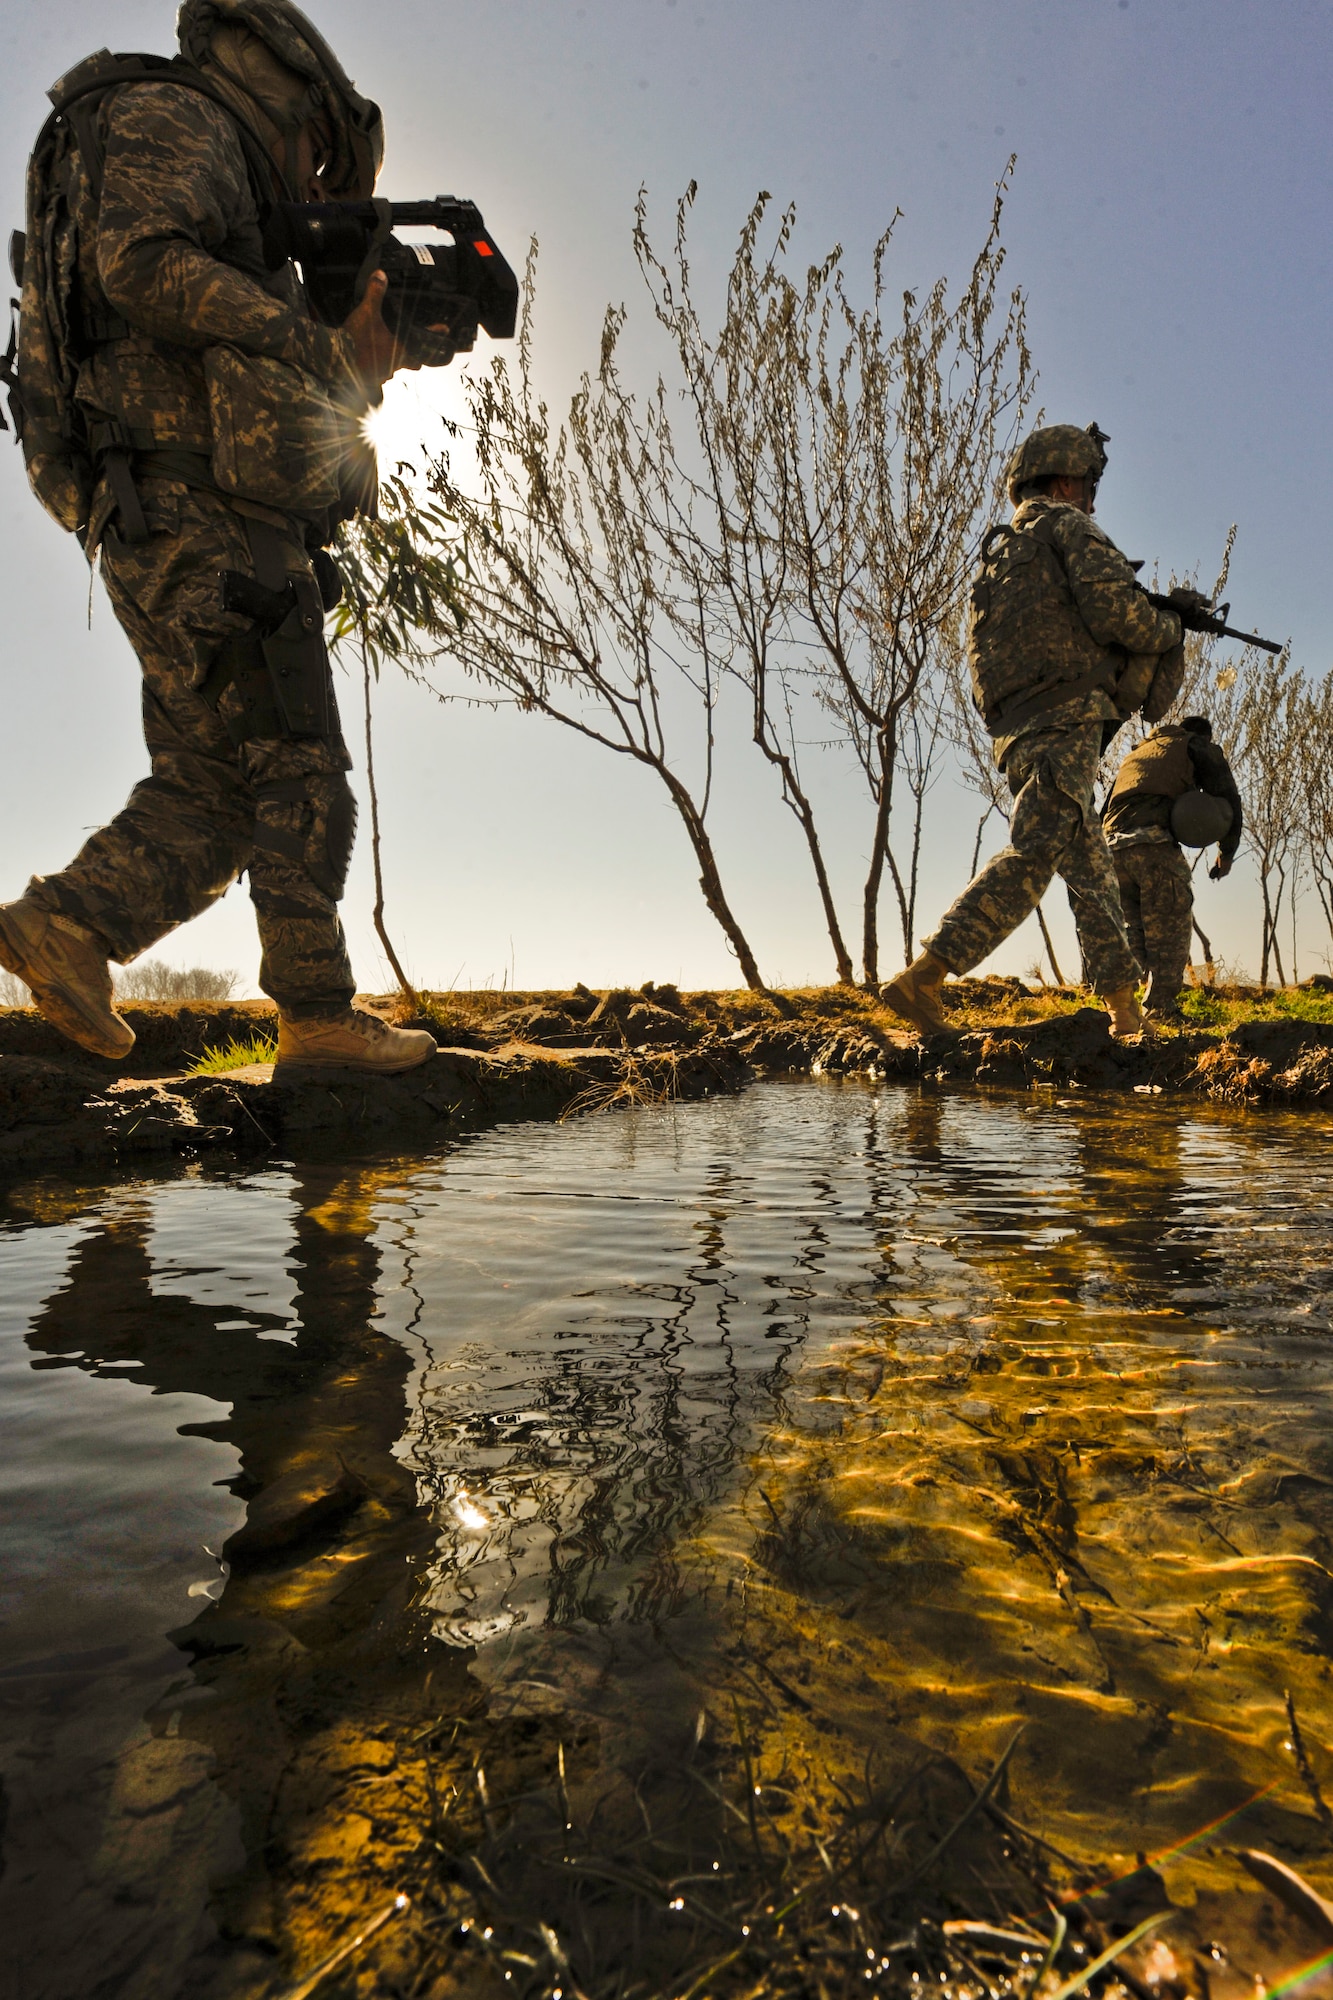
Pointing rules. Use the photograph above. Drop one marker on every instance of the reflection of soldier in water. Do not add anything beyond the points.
(580, 1472)
(325, 1558)
(329, 1401)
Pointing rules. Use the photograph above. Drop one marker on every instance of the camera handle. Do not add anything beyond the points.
(374, 257)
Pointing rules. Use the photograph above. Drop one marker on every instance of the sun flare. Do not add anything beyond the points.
(409, 426)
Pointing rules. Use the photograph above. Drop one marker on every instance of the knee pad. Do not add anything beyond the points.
(331, 857)
(323, 847)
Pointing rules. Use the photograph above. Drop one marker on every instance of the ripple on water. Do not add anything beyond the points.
(996, 1409)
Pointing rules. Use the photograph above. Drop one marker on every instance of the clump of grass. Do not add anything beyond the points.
(637, 1083)
(1228, 1006)
(236, 1055)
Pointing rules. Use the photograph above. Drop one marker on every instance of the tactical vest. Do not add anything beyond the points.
(1160, 768)
(1028, 648)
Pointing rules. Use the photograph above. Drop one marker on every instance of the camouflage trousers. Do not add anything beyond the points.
(225, 794)
(1053, 830)
(1158, 901)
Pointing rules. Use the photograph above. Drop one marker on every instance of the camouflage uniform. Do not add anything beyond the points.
(172, 249)
(1156, 887)
(1065, 611)
(1157, 897)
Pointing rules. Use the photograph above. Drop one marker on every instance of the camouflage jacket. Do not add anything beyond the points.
(1055, 602)
(173, 247)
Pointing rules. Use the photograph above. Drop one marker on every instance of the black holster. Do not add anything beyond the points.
(294, 651)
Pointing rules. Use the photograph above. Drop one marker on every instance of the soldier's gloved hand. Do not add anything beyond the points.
(1221, 867)
(1189, 600)
(377, 352)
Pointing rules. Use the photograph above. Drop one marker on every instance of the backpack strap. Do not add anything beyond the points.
(9, 376)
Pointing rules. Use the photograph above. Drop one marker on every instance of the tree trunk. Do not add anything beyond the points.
(795, 798)
(976, 844)
(918, 815)
(710, 881)
(1208, 965)
(1271, 949)
(1277, 938)
(408, 990)
(1050, 948)
(875, 873)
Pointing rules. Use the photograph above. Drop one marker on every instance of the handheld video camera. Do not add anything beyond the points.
(438, 293)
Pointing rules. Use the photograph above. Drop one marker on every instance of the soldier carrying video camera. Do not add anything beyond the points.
(184, 410)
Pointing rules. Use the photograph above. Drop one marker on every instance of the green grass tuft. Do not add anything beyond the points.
(236, 1055)
(1227, 1007)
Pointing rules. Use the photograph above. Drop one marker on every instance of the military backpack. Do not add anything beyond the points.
(56, 325)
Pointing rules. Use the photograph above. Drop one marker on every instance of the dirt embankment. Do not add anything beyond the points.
(546, 1055)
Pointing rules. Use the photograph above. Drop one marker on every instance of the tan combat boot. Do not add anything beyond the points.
(1126, 1016)
(68, 974)
(915, 993)
(351, 1040)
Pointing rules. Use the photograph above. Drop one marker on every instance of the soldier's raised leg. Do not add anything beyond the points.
(1053, 830)
(231, 786)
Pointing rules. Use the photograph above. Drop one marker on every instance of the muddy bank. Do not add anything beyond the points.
(59, 1109)
(546, 1055)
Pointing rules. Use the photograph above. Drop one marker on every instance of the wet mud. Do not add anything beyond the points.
(63, 1106)
(731, 1626)
(554, 1055)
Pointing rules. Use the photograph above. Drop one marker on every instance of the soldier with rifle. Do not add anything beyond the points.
(1064, 644)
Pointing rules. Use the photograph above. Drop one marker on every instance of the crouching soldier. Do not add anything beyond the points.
(1175, 788)
(183, 412)
(1062, 641)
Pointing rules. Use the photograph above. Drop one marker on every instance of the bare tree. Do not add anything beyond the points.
(1316, 782)
(720, 496)
(893, 448)
(572, 602)
(1273, 719)
(813, 520)
(401, 598)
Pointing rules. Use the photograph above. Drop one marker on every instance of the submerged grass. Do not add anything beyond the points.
(761, 1852)
(734, 1872)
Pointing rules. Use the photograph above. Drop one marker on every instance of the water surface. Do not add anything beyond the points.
(893, 1420)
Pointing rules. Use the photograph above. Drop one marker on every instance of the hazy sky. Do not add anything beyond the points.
(1168, 222)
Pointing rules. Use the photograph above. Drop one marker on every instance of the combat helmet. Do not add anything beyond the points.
(1057, 448)
(269, 50)
(1198, 819)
